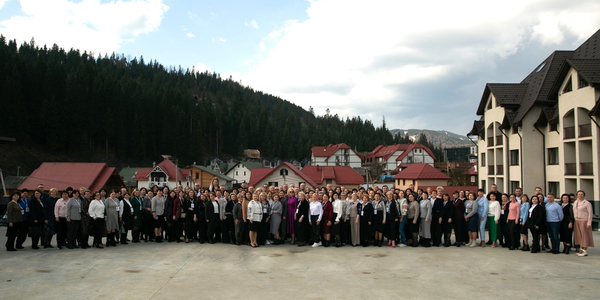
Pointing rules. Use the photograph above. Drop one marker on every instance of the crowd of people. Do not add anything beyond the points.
(327, 216)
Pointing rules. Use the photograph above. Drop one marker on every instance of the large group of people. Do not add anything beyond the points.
(327, 216)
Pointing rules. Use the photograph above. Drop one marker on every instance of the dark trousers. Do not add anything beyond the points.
(202, 229)
(365, 232)
(553, 228)
(61, 232)
(212, 229)
(72, 232)
(190, 227)
(22, 234)
(505, 229)
(346, 234)
(535, 242)
(231, 229)
(436, 231)
(315, 234)
(225, 230)
(263, 231)
(11, 235)
(245, 232)
(98, 230)
(148, 226)
(515, 237)
(459, 229)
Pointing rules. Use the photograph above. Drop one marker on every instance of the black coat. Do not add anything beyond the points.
(210, 211)
(36, 212)
(303, 210)
(199, 211)
(437, 209)
(367, 213)
(448, 211)
(538, 217)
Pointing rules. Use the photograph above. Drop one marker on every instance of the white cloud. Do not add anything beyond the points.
(190, 35)
(200, 67)
(252, 24)
(86, 25)
(222, 40)
(262, 46)
(367, 59)
(2, 3)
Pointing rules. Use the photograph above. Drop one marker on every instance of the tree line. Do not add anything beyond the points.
(72, 102)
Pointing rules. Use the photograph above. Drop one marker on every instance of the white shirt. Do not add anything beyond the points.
(316, 209)
(337, 209)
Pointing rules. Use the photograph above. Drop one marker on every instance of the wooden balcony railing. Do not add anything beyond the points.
(569, 132)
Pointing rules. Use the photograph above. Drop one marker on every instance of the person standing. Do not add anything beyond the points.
(554, 215)
(36, 218)
(471, 218)
(24, 203)
(212, 217)
(482, 212)
(425, 228)
(14, 219)
(147, 219)
(316, 214)
(238, 218)
(514, 212)
(189, 205)
(73, 215)
(459, 220)
(301, 215)
(276, 210)
(87, 224)
(158, 212)
(126, 216)
(366, 220)
(536, 218)
(566, 225)
(493, 218)
(96, 212)
(392, 214)
(284, 213)
(582, 210)
(49, 218)
(354, 220)
(447, 218)
(437, 213)
(292, 208)
(137, 202)
(412, 219)
(61, 220)
(254, 217)
(523, 219)
(111, 217)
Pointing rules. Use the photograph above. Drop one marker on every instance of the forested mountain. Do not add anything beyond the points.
(72, 103)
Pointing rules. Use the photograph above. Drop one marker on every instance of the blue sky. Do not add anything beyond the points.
(419, 64)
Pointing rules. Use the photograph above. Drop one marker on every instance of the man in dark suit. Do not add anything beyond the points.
(437, 212)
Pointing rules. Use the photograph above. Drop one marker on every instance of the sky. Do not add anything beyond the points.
(418, 64)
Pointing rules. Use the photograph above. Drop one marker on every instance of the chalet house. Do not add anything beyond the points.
(335, 155)
(166, 173)
(204, 176)
(285, 173)
(241, 171)
(399, 156)
(60, 175)
(334, 175)
(421, 174)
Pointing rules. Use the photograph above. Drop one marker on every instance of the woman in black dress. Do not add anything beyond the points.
(392, 214)
(189, 205)
(200, 218)
(447, 214)
(302, 211)
(537, 217)
(566, 225)
(126, 217)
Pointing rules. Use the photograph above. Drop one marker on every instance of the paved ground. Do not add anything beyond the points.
(194, 271)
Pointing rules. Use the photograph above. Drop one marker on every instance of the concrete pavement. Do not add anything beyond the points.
(195, 271)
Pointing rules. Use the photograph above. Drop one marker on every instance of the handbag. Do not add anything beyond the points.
(183, 215)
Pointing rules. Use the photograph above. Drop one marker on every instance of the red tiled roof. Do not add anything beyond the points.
(61, 175)
(168, 167)
(472, 171)
(341, 174)
(327, 151)
(413, 146)
(258, 174)
(421, 171)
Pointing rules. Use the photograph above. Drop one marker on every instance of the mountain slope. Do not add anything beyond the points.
(437, 137)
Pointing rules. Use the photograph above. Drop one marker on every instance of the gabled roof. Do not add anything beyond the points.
(327, 151)
(13, 182)
(341, 174)
(547, 115)
(258, 174)
(478, 129)
(509, 119)
(421, 171)
(128, 173)
(166, 166)
(248, 164)
(210, 171)
(506, 94)
(588, 69)
(415, 146)
(59, 175)
(387, 151)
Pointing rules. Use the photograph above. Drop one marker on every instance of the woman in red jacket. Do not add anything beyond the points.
(327, 220)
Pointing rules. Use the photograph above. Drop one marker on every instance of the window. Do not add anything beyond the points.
(489, 106)
(553, 127)
(283, 172)
(273, 183)
(197, 175)
(473, 179)
(328, 181)
(553, 156)
(514, 157)
(483, 185)
(236, 173)
(568, 86)
(483, 159)
(513, 186)
(244, 173)
(553, 187)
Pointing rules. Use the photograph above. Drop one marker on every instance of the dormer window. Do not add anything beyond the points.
(283, 172)
(582, 82)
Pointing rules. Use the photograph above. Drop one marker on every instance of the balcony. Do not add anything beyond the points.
(569, 132)
(585, 130)
(571, 169)
(499, 140)
(490, 170)
(499, 169)
(586, 169)
(490, 142)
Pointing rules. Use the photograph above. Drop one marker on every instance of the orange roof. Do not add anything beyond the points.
(258, 174)
(341, 174)
(421, 171)
(327, 151)
(387, 151)
(61, 175)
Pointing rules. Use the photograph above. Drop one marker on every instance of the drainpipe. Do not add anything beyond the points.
(478, 159)
(507, 166)
(521, 160)
(543, 155)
